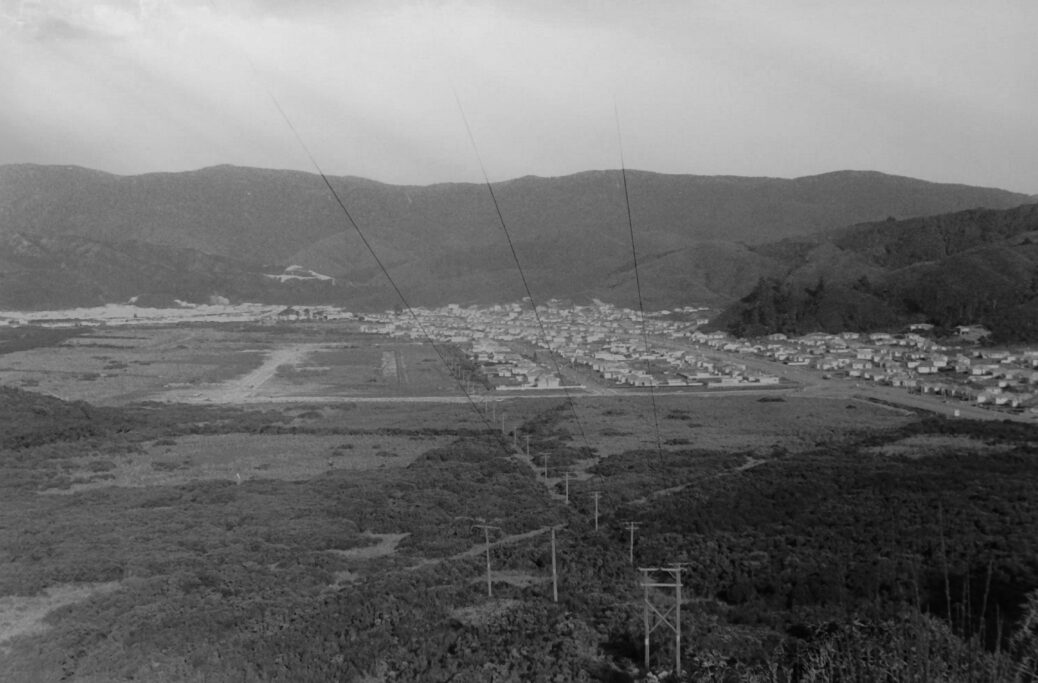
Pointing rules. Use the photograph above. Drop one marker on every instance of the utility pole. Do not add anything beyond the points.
(554, 570)
(654, 617)
(631, 526)
(596, 495)
(567, 475)
(503, 431)
(486, 535)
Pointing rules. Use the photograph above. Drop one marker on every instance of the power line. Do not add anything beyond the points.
(638, 287)
(381, 265)
(371, 250)
(522, 274)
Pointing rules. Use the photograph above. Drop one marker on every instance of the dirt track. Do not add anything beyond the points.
(243, 389)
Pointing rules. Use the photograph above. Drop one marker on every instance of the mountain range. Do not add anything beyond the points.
(74, 236)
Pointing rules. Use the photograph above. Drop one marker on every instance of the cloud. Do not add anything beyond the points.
(939, 90)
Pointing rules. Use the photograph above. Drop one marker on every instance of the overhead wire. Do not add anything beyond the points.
(385, 271)
(638, 287)
(374, 255)
(522, 275)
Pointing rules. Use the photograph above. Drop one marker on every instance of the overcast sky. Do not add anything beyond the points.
(944, 90)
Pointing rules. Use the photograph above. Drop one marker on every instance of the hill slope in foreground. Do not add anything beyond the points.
(819, 538)
(72, 236)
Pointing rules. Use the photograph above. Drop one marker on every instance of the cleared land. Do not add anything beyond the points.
(723, 422)
(243, 457)
(228, 363)
(24, 615)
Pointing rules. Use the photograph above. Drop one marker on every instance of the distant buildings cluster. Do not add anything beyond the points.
(994, 377)
(671, 351)
(508, 342)
(516, 349)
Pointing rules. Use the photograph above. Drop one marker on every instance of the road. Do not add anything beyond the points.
(243, 389)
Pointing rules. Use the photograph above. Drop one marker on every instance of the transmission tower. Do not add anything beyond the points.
(670, 617)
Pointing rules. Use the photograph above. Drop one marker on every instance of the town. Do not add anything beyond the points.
(603, 348)
(670, 350)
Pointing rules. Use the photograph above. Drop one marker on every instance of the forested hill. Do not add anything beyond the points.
(441, 242)
(971, 267)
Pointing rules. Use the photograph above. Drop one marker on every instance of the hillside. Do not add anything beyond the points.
(442, 242)
(65, 270)
(970, 267)
(821, 540)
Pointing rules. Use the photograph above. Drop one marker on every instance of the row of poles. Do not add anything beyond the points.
(651, 577)
(653, 616)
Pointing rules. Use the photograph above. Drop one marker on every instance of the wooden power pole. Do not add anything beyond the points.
(567, 475)
(596, 495)
(486, 535)
(554, 570)
(670, 617)
(631, 526)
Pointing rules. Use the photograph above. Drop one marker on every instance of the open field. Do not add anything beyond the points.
(243, 457)
(935, 446)
(225, 363)
(24, 615)
(117, 366)
(724, 422)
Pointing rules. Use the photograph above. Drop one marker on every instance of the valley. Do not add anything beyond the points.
(824, 428)
(486, 342)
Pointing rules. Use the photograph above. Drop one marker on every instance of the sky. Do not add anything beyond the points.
(943, 90)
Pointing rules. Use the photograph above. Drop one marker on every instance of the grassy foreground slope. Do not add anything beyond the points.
(904, 548)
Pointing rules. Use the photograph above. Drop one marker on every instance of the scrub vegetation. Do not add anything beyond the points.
(899, 550)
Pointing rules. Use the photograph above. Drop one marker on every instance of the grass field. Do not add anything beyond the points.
(209, 363)
(370, 367)
(725, 423)
(113, 367)
(243, 457)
